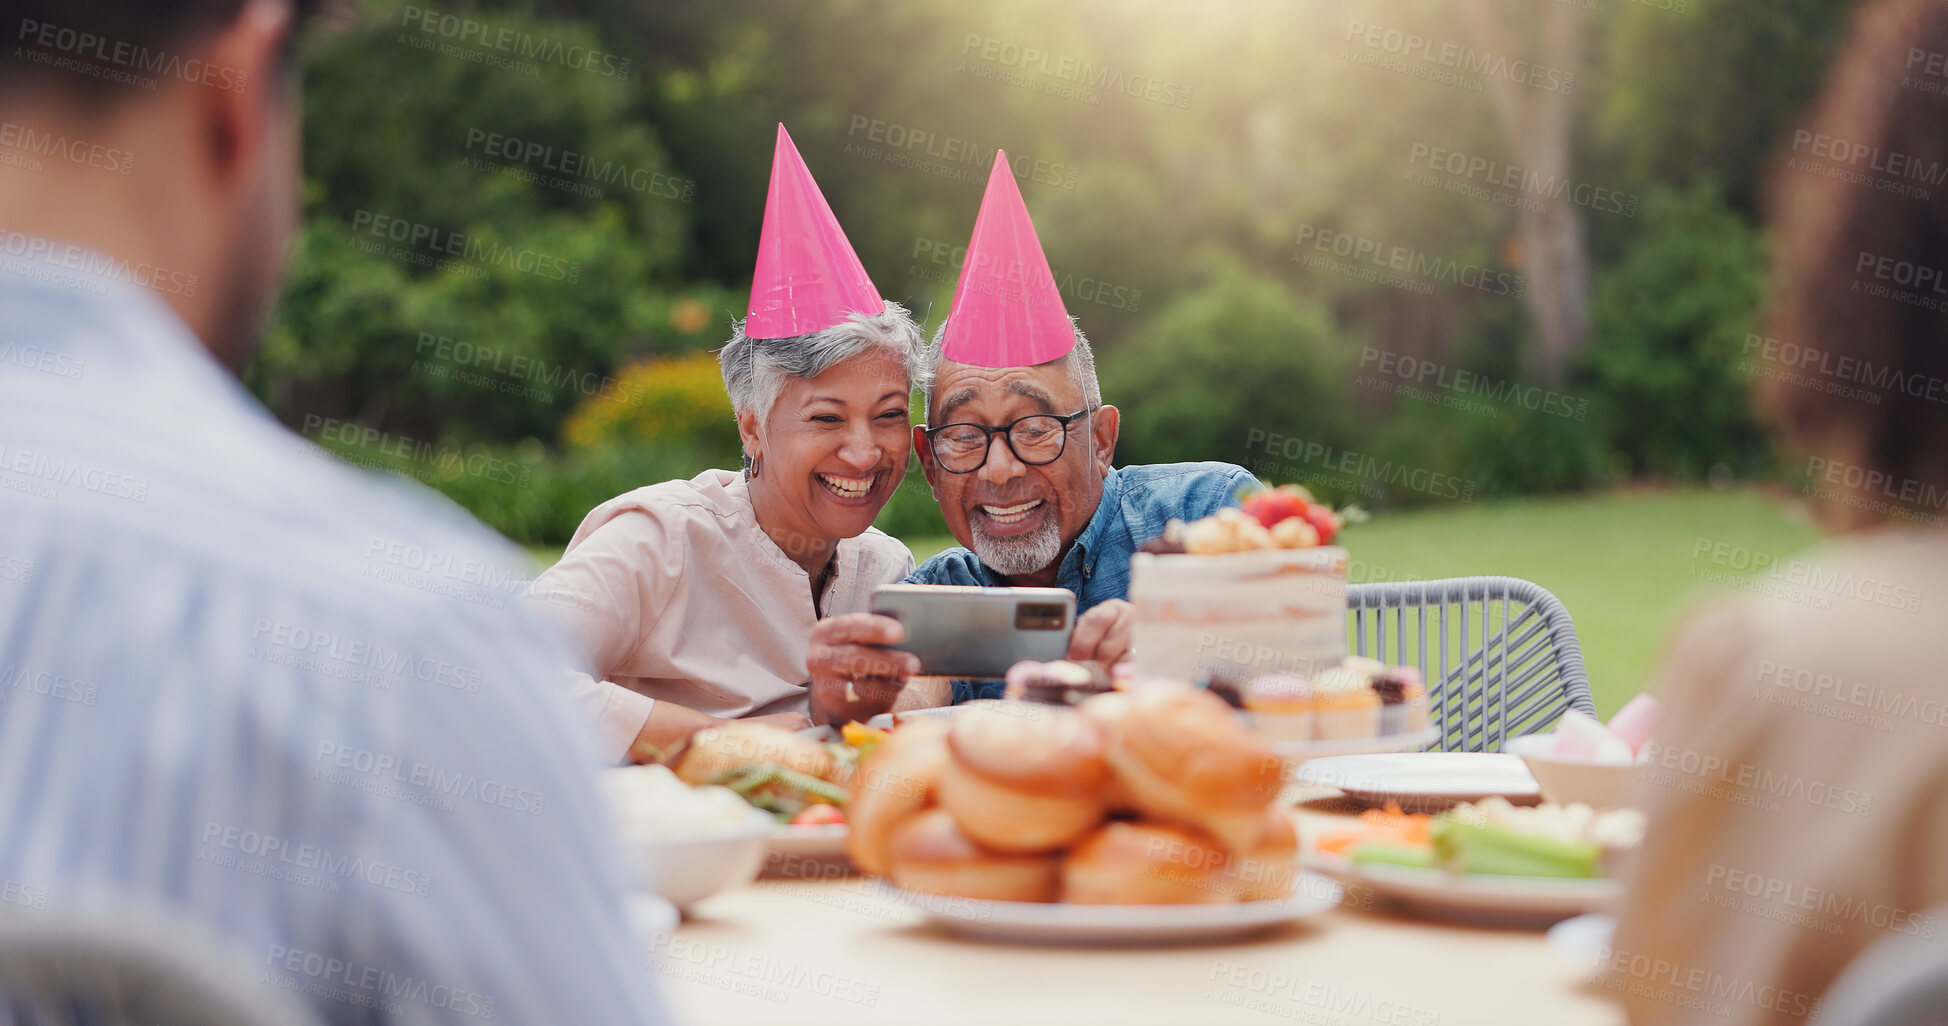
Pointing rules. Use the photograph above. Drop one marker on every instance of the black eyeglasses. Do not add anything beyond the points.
(1036, 440)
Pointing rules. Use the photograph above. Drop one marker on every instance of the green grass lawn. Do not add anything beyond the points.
(1623, 562)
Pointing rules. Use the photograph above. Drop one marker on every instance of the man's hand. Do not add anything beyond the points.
(853, 676)
(1103, 633)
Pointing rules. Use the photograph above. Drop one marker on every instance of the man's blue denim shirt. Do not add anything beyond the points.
(1136, 503)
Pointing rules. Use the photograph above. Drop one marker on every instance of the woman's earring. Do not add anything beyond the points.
(753, 466)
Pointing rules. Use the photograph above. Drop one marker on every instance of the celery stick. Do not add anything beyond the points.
(1475, 849)
(1417, 856)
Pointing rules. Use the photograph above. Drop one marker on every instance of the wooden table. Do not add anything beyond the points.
(807, 952)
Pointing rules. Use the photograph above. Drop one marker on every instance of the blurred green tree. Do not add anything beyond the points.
(1671, 322)
(482, 245)
(1216, 373)
(1281, 120)
(1696, 90)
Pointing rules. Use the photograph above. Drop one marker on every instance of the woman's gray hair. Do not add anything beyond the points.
(1081, 364)
(755, 368)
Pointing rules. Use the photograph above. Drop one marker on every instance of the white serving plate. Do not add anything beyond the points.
(824, 841)
(887, 721)
(1424, 781)
(1024, 922)
(1305, 751)
(1586, 937)
(1474, 896)
(808, 852)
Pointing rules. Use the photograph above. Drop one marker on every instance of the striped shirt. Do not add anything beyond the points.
(298, 700)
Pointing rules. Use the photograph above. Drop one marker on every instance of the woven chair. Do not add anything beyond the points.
(1499, 654)
(134, 966)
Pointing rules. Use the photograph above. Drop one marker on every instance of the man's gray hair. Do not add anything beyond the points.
(755, 368)
(1081, 364)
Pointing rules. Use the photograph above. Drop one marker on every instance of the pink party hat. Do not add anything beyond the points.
(808, 278)
(1007, 311)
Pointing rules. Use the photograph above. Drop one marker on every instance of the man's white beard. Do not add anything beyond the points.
(1025, 554)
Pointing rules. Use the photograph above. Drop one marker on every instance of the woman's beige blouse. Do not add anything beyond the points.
(679, 596)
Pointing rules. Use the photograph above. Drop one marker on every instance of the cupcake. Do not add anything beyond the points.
(1226, 687)
(1361, 665)
(1403, 701)
(1281, 706)
(1346, 705)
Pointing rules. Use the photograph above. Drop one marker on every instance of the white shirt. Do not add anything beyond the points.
(298, 700)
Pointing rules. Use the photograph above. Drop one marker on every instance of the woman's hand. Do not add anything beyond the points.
(854, 676)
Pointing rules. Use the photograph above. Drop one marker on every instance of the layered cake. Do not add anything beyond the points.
(1253, 600)
(1242, 593)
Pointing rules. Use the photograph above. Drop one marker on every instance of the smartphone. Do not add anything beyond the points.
(967, 632)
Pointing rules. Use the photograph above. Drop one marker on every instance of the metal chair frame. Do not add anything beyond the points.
(1489, 677)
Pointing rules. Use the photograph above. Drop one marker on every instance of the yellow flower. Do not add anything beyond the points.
(662, 398)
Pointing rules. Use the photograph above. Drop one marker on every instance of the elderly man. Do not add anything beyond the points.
(1018, 455)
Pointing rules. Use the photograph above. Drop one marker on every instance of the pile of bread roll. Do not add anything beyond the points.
(1137, 798)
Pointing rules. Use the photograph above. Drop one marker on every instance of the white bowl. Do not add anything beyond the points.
(1597, 785)
(688, 871)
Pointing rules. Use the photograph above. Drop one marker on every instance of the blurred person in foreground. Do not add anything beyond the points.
(221, 692)
(1798, 791)
(1018, 450)
(697, 598)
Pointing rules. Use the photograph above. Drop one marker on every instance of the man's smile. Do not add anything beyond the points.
(1006, 519)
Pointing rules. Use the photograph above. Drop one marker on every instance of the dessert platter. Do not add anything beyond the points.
(1251, 601)
(1359, 707)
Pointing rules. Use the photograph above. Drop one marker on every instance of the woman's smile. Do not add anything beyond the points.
(848, 490)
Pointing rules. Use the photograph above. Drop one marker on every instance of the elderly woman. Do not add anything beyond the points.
(696, 598)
